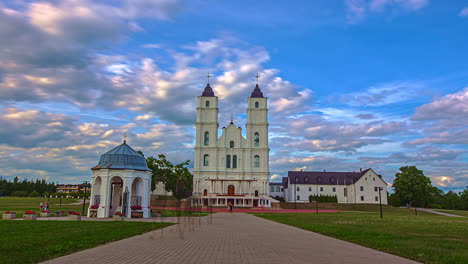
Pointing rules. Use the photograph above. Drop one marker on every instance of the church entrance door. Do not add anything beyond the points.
(231, 190)
(255, 203)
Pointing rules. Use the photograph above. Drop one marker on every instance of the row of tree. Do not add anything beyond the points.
(413, 188)
(176, 178)
(26, 187)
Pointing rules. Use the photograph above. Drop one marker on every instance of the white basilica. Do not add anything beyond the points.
(231, 168)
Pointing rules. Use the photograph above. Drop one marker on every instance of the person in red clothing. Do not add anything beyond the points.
(230, 205)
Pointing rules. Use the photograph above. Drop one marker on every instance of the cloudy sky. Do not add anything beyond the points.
(351, 83)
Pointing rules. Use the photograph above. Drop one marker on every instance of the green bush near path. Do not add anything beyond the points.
(427, 238)
(36, 241)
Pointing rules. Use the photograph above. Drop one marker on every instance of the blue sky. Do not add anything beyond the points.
(351, 83)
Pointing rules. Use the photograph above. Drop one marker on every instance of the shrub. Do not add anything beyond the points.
(119, 214)
(324, 198)
(34, 194)
(19, 193)
(29, 212)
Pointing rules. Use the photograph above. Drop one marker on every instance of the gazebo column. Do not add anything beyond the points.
(127, 186)
(104, 206)
(145, 196)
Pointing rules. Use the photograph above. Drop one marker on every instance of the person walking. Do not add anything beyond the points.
(41, 206)
(47, 206)
(230, 205)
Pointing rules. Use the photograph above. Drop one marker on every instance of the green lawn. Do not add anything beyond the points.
(180, 213)
(21, 204)
(427, 238)
(36, 241)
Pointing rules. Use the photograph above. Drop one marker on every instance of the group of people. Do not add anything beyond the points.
(44, 206)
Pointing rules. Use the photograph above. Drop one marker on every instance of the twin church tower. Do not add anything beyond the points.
(231, 168)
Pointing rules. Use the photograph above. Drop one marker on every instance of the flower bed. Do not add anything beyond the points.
(118, 216)
(136, 211)
(46, 214)
(94, 206)
(8, 215)
(30, 215)
(75, 216)
(157, 213)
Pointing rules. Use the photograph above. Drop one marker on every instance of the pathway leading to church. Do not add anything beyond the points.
(230, 238)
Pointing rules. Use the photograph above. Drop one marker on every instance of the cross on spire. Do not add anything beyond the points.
(125, 137)
(232, 119)
(208, 76)
(257, 76)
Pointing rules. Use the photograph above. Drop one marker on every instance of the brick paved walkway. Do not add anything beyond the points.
(230, 238)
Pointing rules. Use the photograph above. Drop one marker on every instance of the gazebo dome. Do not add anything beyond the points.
(122, 157)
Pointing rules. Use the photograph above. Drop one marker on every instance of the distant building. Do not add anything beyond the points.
(276, 189)
(349, 187)
(70, 188)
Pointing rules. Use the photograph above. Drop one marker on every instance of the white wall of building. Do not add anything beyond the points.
(370, 182)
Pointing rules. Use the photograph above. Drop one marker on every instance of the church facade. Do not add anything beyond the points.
(231, 167)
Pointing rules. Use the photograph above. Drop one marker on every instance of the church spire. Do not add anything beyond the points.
(257, 93)
(208, 92)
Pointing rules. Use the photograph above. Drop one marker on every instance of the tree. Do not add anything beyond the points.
(176, 178)
(413, 187)
(394, 200)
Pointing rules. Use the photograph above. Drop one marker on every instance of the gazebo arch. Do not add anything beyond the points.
(137, 191)
(116, 194)
(96, 190)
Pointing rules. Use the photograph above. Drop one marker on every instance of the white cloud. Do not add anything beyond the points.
(464, 12)
(358, 10)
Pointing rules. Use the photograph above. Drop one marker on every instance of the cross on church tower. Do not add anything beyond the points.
(257, 76)
(208, 76)
(125, 137)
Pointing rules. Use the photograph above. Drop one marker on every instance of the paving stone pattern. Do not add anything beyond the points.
(230, 238)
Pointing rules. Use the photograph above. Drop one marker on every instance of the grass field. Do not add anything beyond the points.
(36, 241)
(181, 213)
(427, 238)
(21, 204)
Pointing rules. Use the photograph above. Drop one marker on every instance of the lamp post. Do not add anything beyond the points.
(60, 194)
(380, 201)
(84, 197)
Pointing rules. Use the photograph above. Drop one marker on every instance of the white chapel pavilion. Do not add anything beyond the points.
(120, 180)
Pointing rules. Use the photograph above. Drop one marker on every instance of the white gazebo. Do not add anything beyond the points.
(120, 181)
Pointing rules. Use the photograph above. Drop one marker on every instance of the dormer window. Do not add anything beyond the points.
(207, 103)
(256, 104)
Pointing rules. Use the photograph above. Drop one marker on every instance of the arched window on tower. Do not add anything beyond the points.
(228, 161)
(207, 103)
(206, 160)
(256, 139)
(256, 161)
(231, 144)
(207, 138)
(234, 161)
(256, 105)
